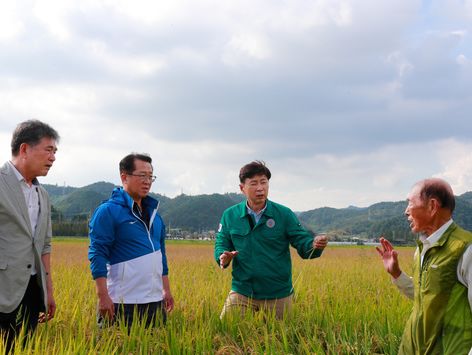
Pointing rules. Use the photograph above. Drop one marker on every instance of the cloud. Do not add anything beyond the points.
(244, 48)
(386, 174)
(456, 159)
(434, 72)
(52, 14)
(346, 100)
(10, 23)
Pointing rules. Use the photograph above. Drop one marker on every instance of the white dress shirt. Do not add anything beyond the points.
(32, 202)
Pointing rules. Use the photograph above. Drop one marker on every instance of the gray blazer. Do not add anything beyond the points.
(18, 248)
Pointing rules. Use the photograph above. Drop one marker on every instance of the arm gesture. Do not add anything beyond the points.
(389, 257)
(226, 258)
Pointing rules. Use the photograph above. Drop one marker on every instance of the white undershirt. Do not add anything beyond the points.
(32, 203)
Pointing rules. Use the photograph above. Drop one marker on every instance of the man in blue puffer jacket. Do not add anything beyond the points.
(127, 251)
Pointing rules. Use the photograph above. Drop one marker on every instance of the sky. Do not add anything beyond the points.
(349, 102)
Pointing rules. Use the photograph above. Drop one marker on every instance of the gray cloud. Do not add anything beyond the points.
(258, 80)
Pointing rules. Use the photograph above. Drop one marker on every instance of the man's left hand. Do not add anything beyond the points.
(168, 302)
(320, 242)
(51, 311)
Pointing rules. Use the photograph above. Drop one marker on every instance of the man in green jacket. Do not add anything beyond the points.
(441, 320)
(257, 233)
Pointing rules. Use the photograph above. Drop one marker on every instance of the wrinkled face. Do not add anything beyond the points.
(418, 212)
(38, 159)
(138, 184)
(255, 189)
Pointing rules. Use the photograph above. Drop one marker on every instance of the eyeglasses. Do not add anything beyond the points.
(144, 177)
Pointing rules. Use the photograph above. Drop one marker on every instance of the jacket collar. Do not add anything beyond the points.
(120, 196)
(442, 239)
(19, 176)
(269, 211)
(14, 185)
(447, 233)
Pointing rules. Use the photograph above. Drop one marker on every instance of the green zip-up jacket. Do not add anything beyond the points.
(263, 267)
(441, 320)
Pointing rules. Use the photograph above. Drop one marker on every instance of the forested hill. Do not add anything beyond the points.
(72, 207)
(384, 218)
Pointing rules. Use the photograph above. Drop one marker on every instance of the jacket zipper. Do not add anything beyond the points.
(148, 230)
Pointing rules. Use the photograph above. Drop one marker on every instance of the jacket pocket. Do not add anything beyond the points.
(239, 238)
(438, 278)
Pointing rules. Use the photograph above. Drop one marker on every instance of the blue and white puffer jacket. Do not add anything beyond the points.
(124, 250)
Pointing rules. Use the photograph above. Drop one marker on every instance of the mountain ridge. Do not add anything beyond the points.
(199, 213)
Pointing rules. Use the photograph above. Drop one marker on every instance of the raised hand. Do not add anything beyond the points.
(389, 258)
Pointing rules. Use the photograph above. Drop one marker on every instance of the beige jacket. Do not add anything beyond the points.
(18, 248)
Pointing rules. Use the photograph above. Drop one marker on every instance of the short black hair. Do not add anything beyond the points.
(252, 169)
(439, 190)
(127, 165)
(31, 132)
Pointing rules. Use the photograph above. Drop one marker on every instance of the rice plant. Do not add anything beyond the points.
(344, 303)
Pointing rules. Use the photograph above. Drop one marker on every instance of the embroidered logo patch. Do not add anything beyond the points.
(270, 223)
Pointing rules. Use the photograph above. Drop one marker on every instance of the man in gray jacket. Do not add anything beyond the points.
(26, 294)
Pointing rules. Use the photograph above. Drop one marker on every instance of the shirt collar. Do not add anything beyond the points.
(20, 177)
(17, 173)
(433, 238)
(250, 211)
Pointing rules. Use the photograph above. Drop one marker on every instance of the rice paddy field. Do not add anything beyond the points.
(345, 304)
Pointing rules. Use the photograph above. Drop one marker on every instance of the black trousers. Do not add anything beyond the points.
(147, 311)
(26, 314)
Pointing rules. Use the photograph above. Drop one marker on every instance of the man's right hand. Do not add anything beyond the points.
(389, 258)
(106, 308)
(226, 258)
